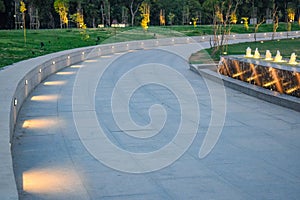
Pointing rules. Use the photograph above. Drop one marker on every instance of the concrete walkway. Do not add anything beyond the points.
(255, 157)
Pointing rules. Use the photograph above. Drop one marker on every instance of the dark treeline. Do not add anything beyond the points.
(175, 12)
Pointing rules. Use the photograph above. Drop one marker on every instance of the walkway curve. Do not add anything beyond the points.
(33, 71)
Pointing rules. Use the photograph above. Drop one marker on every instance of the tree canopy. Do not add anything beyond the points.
(175, 12)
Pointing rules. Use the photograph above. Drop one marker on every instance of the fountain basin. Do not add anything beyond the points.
(279, 77)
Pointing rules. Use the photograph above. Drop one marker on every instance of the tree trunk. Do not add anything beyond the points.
(275, 19)
(108, 14)
(132, 20)
(102, 15)
(50, 23)
(24, 27)
(133, 11)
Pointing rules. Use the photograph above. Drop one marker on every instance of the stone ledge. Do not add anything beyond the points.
(252, 90)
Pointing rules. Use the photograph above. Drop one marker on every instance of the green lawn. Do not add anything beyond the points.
(13, 48)
(285, 46)
(238, 28)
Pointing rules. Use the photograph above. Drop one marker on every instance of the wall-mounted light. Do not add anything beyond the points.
(82, 53)
(53, 62)
(15, 101)
(65, 73)
(51, 83)
(26, 82)
(68, 57)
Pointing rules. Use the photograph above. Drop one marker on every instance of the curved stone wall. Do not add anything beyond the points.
(18, 80)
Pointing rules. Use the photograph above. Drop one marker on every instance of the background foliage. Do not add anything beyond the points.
(107, 11)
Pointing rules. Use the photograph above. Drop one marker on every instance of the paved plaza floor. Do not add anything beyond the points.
(256, 155)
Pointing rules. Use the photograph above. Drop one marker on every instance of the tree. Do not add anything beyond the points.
(171, 18)
(105, 12)
(92, 12)
(246, 23)
(134, 7)
(145, 13)
(22, 10)
(173, 10)
(221, 12)
(257, 26)
(193, 9)
(195, 19)
(62, 8)
(291, 14)
(124, 15)
(162, 20)
(78, 18)
(2, 6)
(46, 12)
(233, 18)
(275, 19)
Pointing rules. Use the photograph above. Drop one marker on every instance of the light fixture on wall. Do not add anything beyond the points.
(15, 101)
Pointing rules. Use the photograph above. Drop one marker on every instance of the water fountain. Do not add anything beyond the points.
(248, 53)
(256, 54)
(275, 75)
(268, 55)
(278, 57)
(292, 60)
